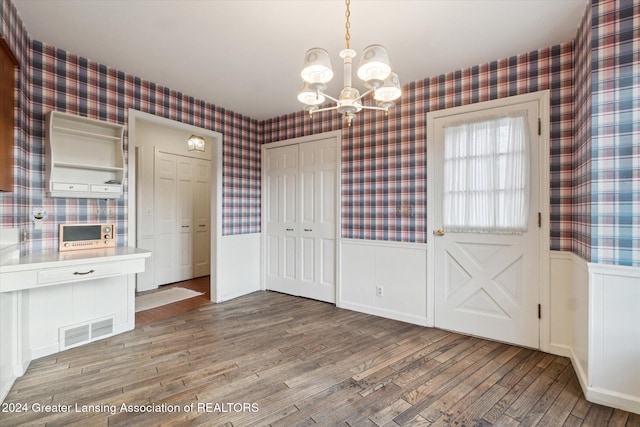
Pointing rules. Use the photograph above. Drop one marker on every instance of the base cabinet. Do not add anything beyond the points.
(46, 308)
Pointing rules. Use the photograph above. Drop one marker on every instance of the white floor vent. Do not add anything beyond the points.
(75, 335)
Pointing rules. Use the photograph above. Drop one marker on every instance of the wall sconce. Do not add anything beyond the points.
(195, 143)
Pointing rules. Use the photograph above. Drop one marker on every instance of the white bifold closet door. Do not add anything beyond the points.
(300, 219)
(182, 212)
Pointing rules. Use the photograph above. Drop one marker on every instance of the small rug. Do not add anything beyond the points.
(163, 297)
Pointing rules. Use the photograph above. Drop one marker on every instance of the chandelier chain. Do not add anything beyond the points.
(347, 25)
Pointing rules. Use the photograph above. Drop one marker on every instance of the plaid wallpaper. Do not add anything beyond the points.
(595, 187)
(65, 82)
(384, 158)
(581, 198)
(615, 164)
(13, 205)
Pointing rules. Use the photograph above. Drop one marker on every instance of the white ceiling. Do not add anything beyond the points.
(246, 55)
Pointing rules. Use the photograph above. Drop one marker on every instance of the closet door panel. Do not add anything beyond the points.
(165, 199)
(282, 217)
(202, 217)
(317, 197)
(328, 263)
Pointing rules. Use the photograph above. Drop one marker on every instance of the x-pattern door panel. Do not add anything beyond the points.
(487, 283)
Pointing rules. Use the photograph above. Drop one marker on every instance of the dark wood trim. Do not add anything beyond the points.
(8, 65)
(9, 52)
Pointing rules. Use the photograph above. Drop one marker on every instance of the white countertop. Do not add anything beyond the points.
(57, 259)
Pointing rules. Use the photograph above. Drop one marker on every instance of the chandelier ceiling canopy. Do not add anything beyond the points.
(374, 70)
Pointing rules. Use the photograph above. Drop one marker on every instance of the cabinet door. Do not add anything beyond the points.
(202, 217)
(282, 257)
(165, 201)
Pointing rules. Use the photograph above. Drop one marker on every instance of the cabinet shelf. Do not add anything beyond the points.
(85, 133)
(84, 157)
(88, 167)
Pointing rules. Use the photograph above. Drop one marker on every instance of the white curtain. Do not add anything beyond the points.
(486, 175)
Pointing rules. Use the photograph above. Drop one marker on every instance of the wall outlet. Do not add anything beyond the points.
(378, 291)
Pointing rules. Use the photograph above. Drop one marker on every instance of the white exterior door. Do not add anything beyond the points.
(487, 284)
(301, 182)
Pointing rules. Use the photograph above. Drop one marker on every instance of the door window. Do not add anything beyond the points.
(486, 175)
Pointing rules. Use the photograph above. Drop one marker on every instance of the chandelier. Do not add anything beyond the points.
(375, 70)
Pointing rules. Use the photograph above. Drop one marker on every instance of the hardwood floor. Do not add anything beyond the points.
(273, 359)
(201, 284)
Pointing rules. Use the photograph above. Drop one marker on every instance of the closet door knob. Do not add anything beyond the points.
(289, 229)
(308, 229)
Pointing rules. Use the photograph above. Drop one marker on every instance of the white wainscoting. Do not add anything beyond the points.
(569, 288)
(400, 269)
(238, 272)
(614, 336)
(595, 321)
(10, 367)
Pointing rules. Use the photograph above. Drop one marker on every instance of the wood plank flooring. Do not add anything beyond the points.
(273, 359)
(201, 284)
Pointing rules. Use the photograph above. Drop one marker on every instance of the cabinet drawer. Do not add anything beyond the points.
(105, 188)
(64, 186)
(78, 272)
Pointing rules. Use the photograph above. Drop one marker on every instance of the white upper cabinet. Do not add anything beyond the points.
(84, 157)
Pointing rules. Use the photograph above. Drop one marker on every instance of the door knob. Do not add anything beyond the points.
(439, 232)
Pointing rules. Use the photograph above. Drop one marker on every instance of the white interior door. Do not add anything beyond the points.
(282, 256)
(165, 200)
(487, 284)
(301, 197)
(184, 206)
(202, 217)
(317, 205)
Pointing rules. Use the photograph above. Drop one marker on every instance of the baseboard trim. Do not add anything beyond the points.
(388, 314)
(560, 350)
(613, 399)
(4, 392)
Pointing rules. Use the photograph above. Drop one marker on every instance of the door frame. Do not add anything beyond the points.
(544, 177)
(337, 136)
(136, 149)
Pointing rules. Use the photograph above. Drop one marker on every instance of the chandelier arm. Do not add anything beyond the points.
(325, 109)
(363, 95)
(330, 97)
(373, 107)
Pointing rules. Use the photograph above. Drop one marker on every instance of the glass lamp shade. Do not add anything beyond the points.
(374, 64)
(308, 96)
(390, 89)
(195, 143)
(317, 66)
